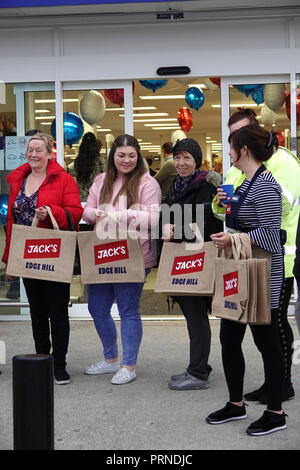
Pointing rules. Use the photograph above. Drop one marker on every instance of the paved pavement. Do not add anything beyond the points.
(91, 413)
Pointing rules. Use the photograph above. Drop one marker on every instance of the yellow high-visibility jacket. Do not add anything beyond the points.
(285, 167)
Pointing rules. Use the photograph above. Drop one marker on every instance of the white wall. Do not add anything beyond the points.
(266, 46)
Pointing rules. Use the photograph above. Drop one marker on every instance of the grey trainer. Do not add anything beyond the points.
(188, 382)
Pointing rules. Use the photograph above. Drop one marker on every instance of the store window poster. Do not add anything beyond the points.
(15, 149)
(1, 154)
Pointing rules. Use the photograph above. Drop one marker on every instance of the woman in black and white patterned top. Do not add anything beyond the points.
(254, 208)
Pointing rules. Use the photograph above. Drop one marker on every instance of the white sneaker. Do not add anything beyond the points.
(103, 367)
(123, 376)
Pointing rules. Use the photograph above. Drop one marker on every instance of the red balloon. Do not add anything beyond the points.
(280, 137)
(288, 106)
(116, 96)
(216, 80)
(185, 119)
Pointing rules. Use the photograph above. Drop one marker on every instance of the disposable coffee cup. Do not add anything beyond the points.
(228, 189)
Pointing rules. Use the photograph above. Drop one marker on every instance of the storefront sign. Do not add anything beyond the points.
(52, 3)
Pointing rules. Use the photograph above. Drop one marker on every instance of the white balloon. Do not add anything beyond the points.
(209, 84)
(274, 95)
(268, 117)
(92, 107)
(177, 135)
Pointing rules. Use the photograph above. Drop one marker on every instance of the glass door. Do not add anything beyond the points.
(105, 110)
(269, 97)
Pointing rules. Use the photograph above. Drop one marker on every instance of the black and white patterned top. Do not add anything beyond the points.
(260, 216)
(24, 206)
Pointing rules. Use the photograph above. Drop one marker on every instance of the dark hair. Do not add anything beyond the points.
(260, 142)
(243, 113)
(167, 147)
(149, 161)
(131, 181)
(86, 160)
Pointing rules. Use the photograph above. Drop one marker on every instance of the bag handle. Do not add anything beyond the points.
(54, 223)
(242, 245)
(70, 223)
(195, 246)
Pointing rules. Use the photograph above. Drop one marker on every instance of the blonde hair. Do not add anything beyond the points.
(46, 138)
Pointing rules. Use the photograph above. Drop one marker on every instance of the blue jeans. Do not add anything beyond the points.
(127, 295)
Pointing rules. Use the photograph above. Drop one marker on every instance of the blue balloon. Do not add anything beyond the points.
(73, 128)
(153, 84)
(194, 97)
(255, 91)
(3, 208)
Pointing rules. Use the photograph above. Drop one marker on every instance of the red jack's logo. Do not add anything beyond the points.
(231, 283)
(42, 248)
(188, 264)
(109, 252)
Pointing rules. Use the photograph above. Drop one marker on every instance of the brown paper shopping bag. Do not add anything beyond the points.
(40, 253)
(242, 285)
(112, 259)
(186, 268)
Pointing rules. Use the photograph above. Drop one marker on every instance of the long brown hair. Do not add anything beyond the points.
(132, 180)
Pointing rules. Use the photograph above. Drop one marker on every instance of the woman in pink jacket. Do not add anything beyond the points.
(127, 193)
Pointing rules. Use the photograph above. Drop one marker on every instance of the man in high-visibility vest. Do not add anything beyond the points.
(285, 167)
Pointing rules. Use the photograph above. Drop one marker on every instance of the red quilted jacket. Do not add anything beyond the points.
(59, 190)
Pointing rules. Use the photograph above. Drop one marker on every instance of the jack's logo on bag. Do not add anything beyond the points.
(42, 248)
(231, 283)
(188, 264)
(109, 252)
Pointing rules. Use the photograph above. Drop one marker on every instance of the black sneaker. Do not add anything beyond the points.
(268, 423)
(256, 394)
(288, 394)
(61, 377)
(230, 412)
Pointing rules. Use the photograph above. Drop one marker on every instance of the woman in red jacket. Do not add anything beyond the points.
(40, 182)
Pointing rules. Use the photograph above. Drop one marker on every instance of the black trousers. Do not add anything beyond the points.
(266, 338)
(285, 331)
(195, 310)
(49, 301)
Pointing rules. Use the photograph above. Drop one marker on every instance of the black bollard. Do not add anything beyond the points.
(33, 402)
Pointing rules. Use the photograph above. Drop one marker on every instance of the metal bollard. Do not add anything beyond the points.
(33, 402)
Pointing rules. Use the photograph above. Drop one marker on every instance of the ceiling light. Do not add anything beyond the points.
(238, 105)
(155, 120)
(197, 85)
(147, 114)
(44, 117)
(65, 100)
(41, 111)
(160, 124)
(162, 97)
(211, 141)
(165, 128)
(103, 130)
(46, 123)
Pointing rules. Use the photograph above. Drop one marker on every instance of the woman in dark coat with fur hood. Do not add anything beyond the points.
(191, 188)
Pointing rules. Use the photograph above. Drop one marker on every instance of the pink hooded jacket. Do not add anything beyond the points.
(140, 217)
